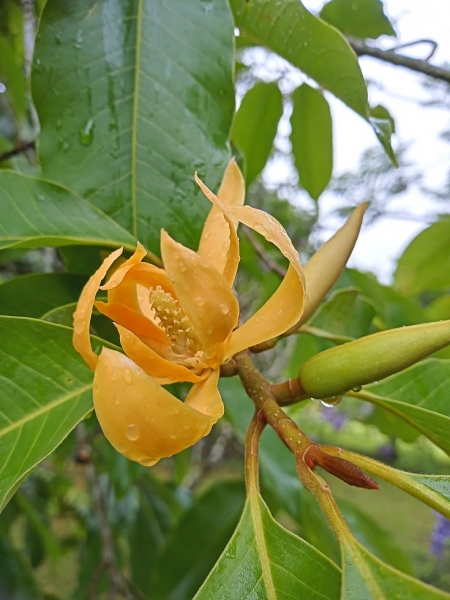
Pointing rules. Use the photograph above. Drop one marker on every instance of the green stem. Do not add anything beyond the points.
(252, 437)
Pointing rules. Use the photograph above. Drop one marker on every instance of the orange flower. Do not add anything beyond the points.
(179, 324)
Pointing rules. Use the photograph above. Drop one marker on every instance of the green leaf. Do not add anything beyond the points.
(36, 294)
(148, 99)
(205, 530)
(365, 577)
(36, 213)
(256, 124)
(11, 75)
(418, 395)
(360, 18)
(383, 130)
(316, 48)
(345, 316)
(393, 308)
(45, 390)
(265, 561)
(425, 263)
(312, 139)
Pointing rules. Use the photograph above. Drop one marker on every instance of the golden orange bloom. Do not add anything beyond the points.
(179, 324)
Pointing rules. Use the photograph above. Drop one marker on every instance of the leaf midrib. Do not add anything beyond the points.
(261, 545)
(44, 409)
(137, 80)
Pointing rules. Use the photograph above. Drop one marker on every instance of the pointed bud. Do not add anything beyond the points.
(340, 468)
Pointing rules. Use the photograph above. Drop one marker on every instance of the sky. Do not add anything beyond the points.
(419, 127)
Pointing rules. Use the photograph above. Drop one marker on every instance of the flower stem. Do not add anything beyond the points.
(252, 437)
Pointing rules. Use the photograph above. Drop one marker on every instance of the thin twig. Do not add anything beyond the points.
(22, 148)
(260, 251)
(400, 60)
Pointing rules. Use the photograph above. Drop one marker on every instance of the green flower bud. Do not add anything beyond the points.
(338, 370)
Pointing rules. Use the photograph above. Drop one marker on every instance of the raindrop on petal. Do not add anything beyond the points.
(132, 432)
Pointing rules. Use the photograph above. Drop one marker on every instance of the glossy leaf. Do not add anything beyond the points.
(310, 44)
(419, 396)
(360, 18)
(45, 390)
(367, 578)
(11, 75)
(425, 263)
(36, 294)
(345, 316)
(265, 561)
(312, 139)
(255, 126)
(204, 530)
(36, 212)
(393, 308)
(148, 100)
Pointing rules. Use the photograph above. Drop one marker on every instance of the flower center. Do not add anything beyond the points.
(169, 316)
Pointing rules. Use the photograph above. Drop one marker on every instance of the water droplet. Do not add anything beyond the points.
(357, 388)
(173, 436)
(2, 88)
(207, 235)
(58, 124)
(127, 375)
(186, 427)
(183, 267)
(87, 133)
(329, 402)
(116, 402)
(58, 38)
(41, 198)
(132, 432)
(148, 462)
(224, 309)
(114, 377)
(200, 301)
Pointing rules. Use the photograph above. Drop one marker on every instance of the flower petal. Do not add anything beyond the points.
(144, 275)
(120, 273)
(325, 266)
(204, 295)
(83, 312)
(153, 364)
(139, 324)
(140, 418)
(219, 244)
(286, 305)
(205, 396)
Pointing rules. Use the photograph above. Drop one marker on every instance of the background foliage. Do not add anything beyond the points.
(101, 128)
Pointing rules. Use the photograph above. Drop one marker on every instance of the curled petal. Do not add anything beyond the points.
(120, 273)
(325, 266)
(285, 307)
(204, 294)
(219, 244)
(140, 418)
(139, 324)
(165, 371)
(140, 275)
(83, 312)
(205, 396)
